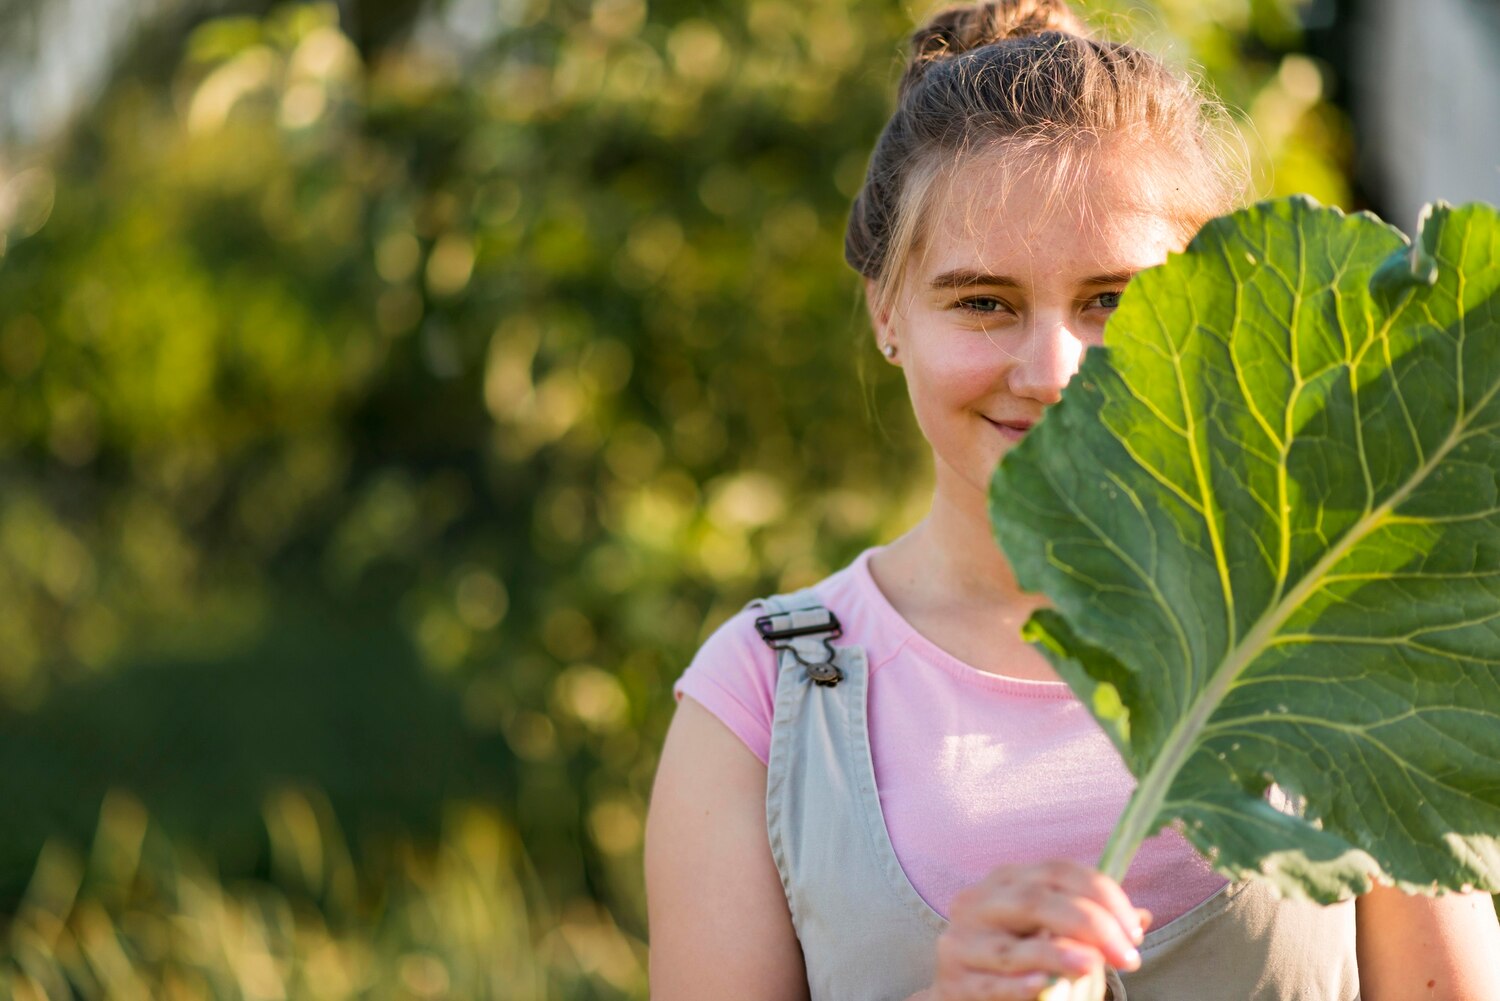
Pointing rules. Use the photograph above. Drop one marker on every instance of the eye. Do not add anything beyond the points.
(981, 304)
(1108, 300)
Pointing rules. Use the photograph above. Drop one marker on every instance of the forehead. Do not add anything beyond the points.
(1103, 212)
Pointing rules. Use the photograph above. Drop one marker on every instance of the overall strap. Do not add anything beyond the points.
(799, 627)
(865, 933)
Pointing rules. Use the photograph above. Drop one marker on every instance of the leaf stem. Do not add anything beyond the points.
(1135, 823)
(1124, 841)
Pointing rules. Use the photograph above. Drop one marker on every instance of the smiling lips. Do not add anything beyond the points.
(1012, 430)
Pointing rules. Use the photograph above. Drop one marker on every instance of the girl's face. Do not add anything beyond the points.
(1006, 293)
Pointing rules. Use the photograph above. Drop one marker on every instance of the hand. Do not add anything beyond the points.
(1024, 926)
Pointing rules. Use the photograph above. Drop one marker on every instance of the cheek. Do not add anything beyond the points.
(967, 368)
(962, 377)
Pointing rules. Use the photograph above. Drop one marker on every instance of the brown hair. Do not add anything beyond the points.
(1025, 79)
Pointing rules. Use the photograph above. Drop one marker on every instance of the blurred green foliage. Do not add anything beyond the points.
(382, 432)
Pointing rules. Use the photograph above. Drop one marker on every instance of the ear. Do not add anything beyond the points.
(880, 320)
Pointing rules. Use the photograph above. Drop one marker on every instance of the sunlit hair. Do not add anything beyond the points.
(1023, 82)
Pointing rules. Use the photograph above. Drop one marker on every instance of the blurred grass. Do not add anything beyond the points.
(381, 431)
(142, 918)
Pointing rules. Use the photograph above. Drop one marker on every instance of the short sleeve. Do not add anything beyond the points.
(733, 676)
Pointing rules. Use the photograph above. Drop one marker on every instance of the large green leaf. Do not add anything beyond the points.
(1267, 515)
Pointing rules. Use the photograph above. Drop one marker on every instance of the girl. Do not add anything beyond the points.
(919, 823)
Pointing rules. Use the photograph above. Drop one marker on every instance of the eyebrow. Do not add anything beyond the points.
(966, 278)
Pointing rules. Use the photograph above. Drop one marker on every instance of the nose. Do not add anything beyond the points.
(1045, 361)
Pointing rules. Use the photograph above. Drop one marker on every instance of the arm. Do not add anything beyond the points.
(718, 916)
(1431, 948)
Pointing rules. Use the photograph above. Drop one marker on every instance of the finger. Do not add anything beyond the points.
(1082, 919)
(1079, 879)
(976, 986)
(1034, 909)
(1000, 952)
(1070, 878)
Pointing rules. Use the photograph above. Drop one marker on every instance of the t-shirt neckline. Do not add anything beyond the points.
(928, 650)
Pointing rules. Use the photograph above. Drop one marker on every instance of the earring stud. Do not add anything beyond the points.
(889, 350)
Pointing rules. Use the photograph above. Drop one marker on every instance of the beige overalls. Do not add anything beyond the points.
(867, 935)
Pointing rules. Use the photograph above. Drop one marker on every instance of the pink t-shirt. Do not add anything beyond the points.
(973, 769)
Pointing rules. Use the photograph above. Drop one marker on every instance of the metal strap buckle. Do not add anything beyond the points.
(781, 629)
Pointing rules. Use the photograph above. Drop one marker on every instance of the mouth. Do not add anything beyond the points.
(1011, 430)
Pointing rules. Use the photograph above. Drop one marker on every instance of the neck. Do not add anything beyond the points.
(958, 546)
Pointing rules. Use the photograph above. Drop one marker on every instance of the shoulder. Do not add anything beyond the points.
(733, 675)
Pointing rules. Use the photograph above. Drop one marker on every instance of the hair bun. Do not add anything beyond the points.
(955, 30)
